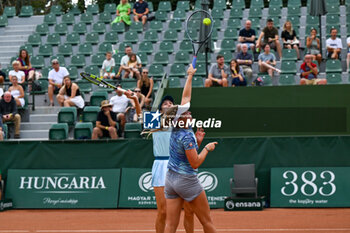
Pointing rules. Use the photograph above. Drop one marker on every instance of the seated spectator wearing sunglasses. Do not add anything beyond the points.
(145, 84)
(132, 112)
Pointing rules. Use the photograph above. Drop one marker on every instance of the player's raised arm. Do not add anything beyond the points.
(187, 92)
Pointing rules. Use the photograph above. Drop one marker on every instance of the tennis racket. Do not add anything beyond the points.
(98, 81)
(198, 32)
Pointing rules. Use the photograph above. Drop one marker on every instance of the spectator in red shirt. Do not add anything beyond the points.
(308, 73)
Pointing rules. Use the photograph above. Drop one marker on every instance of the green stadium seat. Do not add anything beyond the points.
(144, 58)
(333, 66)
(56, 9)
(67, 115)
(61, 28)
(78, 61)
(161, 16)
(267, 80)
(133, 130)
(228, 45)
(231, 33)
(104, 17)
(131, 37)
(312, 20)
(42, 29)
(166, 46)
(334, 78)
(217, 24)
(136, 27)
(146, 46)
(183, 5)
(85, 49)
(333, 9)
(65, 50)
(97, 59)
(73, 72)
(10, 11)
(332, 3)
(68, 19)
(60, 59)
(236, 13)
(186, 46)
(150, 6)
(164, 6)
(87, 18)
(123, 45)
(80, 28)
(83, 130)
(84, 86)
(182, 57)
(175, 25)
(117, 57)
(161, 58)
(256, 3)
(288, 67)
(73, 38)
(92, 70)
(256, 22)
(105, 47)
(197, 82)
(296, 3)
(332, 19)
(111, 37)
(45, 50)
(5, 130)
(92, 38)
(90, 114)
(129, 85)
(156, 71)
(289, 55)
(287, 79)
(274, 11)
(44, 84)
(111, 8)
(151, 36)
(50, 19)
(53, 39)
(217, 13)
(219, 4)
(99, 28)
(276, 3)
(157, 26)
(179, 15)
(118, 27)
(255, 12)
(26, 11)
(93, 9)
(97, 97)
(27, 47)
(234, 23)
(177, 70)
(293, 10)
(295, 20)
(75, 10)
(171, 35)
(34, 39)
(227, 55)
(238, 4)
(174, 82)
(58, 132)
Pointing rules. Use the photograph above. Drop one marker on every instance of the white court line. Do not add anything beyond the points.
(200, 230)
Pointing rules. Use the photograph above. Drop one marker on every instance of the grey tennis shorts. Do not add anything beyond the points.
(179, 185)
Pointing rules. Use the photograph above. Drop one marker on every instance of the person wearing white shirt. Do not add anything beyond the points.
(124, 64)
(108, 66)
(348, 56)
(334, 45)
(56, 76)
(17, 73)
(120, 106)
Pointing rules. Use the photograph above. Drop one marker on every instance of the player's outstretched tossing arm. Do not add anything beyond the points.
(187, 92)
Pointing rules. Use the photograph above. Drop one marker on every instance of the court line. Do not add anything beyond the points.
(200, 230)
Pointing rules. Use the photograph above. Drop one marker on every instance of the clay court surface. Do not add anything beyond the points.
(132, 221)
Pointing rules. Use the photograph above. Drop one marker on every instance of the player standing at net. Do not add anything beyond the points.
(181, 182)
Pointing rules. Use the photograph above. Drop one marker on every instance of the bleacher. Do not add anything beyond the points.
(79, 41)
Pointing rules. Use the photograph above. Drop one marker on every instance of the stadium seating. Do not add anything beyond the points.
(67, 115)
(73, 38)
(83, 130)
(68, 19)
(26, 11)
(133, 130)
(334, 78)
(58, 131)
(97, 97)
(56, 9)
(10, 11)
(92, 9)
(287, 79)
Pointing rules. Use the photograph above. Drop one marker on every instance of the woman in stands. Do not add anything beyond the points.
(17, 92)
(181, 182)
(123, 12)
(25, 65)
(289, 38)
(237, 74)
(146, 85)
(69, 94)
(313, 46)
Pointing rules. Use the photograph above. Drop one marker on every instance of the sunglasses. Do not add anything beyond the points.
(137, 91)
(145, 72)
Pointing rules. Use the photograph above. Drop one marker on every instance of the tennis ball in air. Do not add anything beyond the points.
(206, 21)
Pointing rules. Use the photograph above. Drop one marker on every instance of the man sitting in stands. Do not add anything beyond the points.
(308, 73)
(8, 112)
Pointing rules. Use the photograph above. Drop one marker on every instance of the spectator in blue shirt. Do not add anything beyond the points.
(246, 36)
(245, 60)
(141, 11)
(267, 61)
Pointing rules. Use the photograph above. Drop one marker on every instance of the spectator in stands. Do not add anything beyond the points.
(25, 64)
(17, 73)
(313, 46)
(17, 92)
(245, 60)
(289, 37)
(69, 94)
(132, 68)
(269, 35)
(267, 61)
(348, 55)
(141, 11)
(132, 112)
(123, 12)
(246, 36)
(120, 104)
(218, 73)
(2, 78)
(2, 133)
(334, 45)
(108, 66)
(145, 84)
(308, 73)
(237, 74)
(106, 123)
(125, 61)
(56, 76)
(8, 112)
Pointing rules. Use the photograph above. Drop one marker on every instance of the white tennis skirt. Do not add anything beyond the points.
(159, 170)
(77, 100)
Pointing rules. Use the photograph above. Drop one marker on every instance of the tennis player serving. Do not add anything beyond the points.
(181, 183)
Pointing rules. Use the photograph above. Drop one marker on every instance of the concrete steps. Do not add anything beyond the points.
(36, 125)
(30, 134)
(43, 118)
